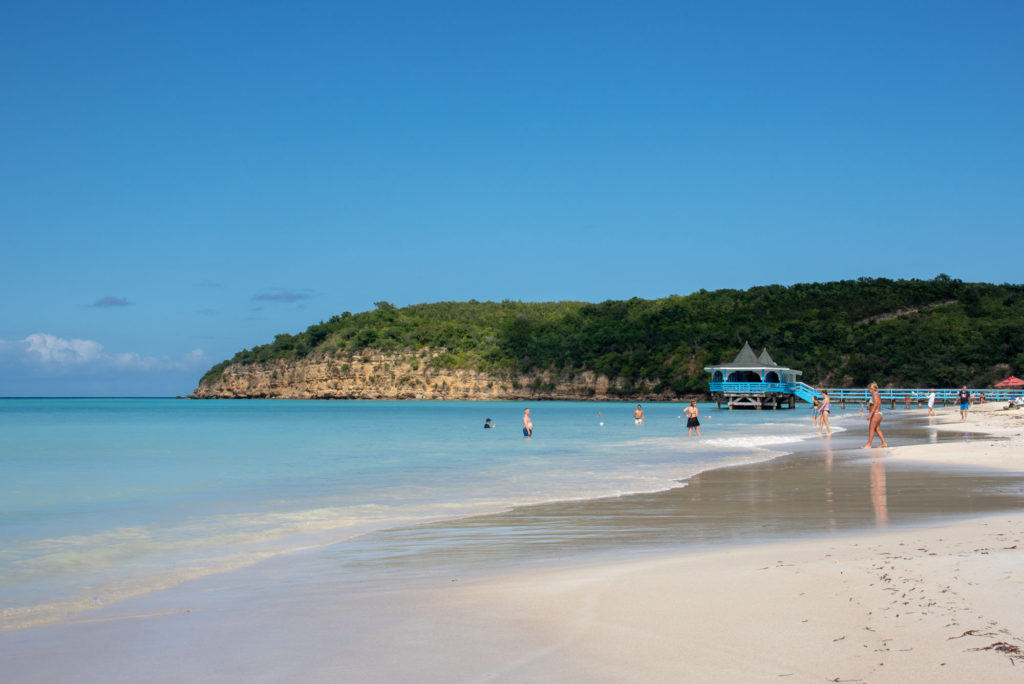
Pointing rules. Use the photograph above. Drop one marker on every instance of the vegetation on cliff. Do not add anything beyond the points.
(940, 332)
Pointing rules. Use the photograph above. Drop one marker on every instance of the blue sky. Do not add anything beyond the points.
(179, 181)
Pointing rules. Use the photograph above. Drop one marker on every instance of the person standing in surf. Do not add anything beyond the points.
(691, 419)
(527, 424)
(638, 415)
(874, 417)
(823, 413)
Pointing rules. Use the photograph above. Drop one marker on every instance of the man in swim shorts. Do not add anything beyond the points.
(638, 415)
(527, 424)
(963, 397)
(691, 419)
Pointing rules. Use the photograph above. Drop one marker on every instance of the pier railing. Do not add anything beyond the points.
(915, 395)
(806, 392)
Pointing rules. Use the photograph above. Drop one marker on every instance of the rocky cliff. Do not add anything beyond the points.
(386, 375)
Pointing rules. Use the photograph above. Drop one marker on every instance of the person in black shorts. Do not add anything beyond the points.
(691, 419)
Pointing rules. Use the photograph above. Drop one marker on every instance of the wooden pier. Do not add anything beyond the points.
(917, 397)
(778, 395)
(757, 382)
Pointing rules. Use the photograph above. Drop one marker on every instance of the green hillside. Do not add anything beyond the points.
(940, 332)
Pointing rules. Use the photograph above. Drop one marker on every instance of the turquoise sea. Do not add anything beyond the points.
(103, 499)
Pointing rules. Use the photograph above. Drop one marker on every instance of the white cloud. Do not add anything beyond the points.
(49, 349)
(50, 352)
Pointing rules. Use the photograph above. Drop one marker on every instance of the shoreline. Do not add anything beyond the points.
(852, 603)
(939, 602)
(83, 605)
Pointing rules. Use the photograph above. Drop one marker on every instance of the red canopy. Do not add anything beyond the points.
(1011, 381)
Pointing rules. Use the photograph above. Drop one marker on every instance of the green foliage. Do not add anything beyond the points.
(215, 373)
(940, 332)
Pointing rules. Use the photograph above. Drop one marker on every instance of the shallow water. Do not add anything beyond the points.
(824, 487)
(101, 499)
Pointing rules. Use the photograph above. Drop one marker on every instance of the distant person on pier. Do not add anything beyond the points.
(874, 417)
(692, 423)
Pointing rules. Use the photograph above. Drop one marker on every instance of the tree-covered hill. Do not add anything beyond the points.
(914, 333)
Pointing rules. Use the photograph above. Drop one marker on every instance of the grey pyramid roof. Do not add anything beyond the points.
(745, 357)
(747, 360)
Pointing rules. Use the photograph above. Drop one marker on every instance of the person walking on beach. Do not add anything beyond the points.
(527, 424)
(638, 415)
(963, 398)
(874, 417)
(931, 403)
(823, 413)
(691, 419)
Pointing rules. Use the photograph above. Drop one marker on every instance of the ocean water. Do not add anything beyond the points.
(104, 499)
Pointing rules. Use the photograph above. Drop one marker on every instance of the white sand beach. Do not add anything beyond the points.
(938, 604)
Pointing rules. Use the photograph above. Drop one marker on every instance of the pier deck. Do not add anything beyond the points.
(777, 394)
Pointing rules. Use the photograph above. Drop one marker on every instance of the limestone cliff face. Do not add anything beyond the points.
(388, 375)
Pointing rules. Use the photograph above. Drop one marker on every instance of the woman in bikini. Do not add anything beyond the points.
(823, 412)
(874, 417)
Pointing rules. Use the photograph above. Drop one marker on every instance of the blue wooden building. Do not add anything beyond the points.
(756, 381)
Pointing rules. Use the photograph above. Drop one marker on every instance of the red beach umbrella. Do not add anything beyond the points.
(1012, 381)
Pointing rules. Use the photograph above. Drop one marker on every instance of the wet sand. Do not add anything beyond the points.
(830, 564)
(827, 486)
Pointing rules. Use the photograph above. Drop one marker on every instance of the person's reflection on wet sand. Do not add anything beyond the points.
(830, 500)
(878, 492)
